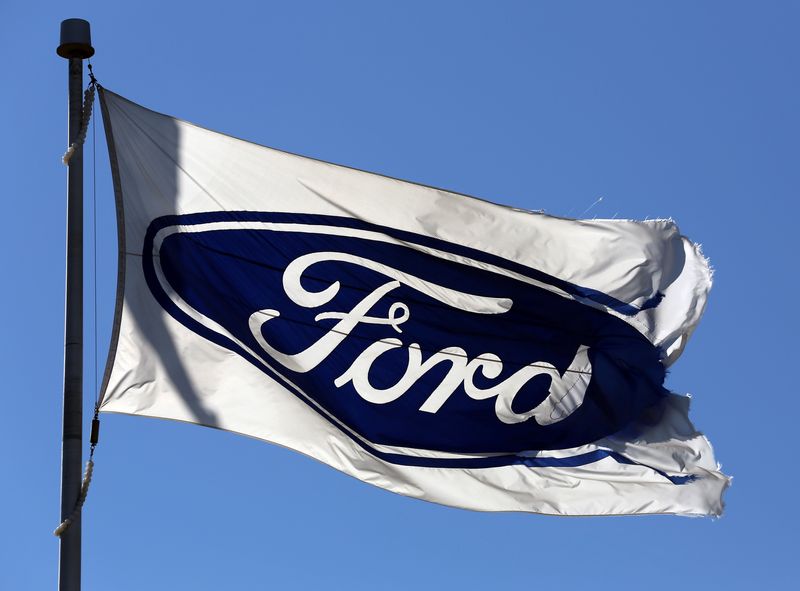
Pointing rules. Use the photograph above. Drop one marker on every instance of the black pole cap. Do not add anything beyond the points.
(76, 39)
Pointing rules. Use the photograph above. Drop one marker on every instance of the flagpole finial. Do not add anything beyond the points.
(76, 39)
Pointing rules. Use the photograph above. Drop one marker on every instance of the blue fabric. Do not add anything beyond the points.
(229, 274)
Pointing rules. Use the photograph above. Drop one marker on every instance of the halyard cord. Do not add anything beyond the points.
(88, 99)
(86, 114)
(87, 479)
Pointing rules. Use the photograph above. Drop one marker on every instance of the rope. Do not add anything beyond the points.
(87, 479)
(86, 114)
(87, 476)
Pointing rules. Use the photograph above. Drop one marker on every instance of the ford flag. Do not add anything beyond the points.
(433, 344)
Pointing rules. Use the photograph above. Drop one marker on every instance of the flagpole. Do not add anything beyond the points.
(75, 46)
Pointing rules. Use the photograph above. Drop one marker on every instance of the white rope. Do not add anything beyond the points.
(87, 479)
(86, 114)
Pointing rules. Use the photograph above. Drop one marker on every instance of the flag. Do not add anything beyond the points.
(433, 344)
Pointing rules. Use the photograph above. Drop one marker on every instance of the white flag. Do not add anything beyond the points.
(433, 344)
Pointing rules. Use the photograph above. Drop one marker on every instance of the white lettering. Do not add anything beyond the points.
(358, 372)
(565, 392)
(311, 357)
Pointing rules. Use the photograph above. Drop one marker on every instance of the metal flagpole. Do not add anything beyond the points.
(75, 46)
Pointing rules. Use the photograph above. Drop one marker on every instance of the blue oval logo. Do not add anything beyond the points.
(404, 340)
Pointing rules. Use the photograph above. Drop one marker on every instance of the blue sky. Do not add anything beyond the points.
(683, 109)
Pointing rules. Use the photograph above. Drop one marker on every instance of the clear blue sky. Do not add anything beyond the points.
(665, 109)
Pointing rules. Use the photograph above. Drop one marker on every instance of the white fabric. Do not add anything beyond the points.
(167, 166)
